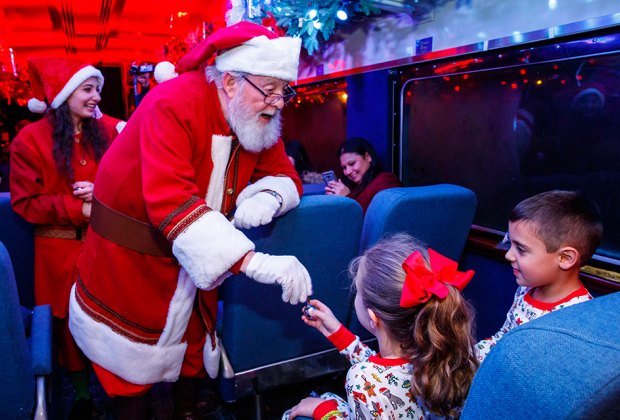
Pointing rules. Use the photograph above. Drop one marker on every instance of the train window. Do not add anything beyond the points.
(512, 124)
(316, 118)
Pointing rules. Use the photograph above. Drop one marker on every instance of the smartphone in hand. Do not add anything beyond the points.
(328, 176)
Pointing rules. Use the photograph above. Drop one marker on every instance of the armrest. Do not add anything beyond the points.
(41, 340)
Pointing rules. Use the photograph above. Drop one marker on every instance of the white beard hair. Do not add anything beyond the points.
(252, 134)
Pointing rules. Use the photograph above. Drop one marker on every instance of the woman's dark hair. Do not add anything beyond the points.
(296, 150)
(361, 146)
(94, 138)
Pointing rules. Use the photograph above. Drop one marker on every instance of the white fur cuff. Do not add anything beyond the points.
(283, 185)
(209, 247)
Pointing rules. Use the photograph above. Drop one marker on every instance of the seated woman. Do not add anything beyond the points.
(362, 169)
(299, 158)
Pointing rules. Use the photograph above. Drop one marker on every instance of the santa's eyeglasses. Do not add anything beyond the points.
(273, 98)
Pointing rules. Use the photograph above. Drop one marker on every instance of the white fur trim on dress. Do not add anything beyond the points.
(220, 152)
(76, 80)
(283, 185)
(209, 247)
(261, 56)
(138, 363)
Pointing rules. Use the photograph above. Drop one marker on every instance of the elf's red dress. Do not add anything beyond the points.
(44, 197)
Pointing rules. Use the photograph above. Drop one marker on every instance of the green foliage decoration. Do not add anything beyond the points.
(292, 15)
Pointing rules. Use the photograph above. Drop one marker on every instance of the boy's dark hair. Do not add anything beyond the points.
(563, 218)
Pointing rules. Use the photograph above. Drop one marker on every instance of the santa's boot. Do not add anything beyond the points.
(185, 395)
(132, 408)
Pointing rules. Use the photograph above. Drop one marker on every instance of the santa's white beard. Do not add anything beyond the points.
(253, 134)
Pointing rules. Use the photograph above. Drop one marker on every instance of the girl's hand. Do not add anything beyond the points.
(337, 188)
(305, 407)
(83, 190)
(324, 319)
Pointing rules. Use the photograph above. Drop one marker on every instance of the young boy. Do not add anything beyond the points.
(552, 235)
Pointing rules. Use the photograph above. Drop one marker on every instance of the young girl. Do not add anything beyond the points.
(409, 298)
(53, 166)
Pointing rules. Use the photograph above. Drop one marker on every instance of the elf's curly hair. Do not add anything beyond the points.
(94, 139)
(437, 336)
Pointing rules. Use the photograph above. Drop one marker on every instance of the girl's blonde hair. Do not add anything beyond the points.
(437, 336)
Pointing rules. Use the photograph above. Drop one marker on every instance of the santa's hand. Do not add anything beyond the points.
(286, 271)
(256, 210)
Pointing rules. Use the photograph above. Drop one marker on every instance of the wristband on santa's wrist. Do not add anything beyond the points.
(275, 195)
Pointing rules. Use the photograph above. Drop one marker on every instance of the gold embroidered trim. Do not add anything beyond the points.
(188, 220)
(181, 209)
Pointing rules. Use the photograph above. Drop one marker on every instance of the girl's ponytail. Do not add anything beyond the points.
(442, 355)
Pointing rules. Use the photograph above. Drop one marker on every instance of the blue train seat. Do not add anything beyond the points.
(438, 215)
(266, 343)
(565, 364)
(26, 360)
(18, 237)
(314, 189)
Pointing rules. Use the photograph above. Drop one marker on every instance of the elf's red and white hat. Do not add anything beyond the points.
(54, 79)
(248, 48)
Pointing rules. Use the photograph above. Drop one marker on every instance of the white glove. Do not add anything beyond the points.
(256, 210)
(284, 270)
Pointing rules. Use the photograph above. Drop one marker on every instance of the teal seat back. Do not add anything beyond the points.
(258, 329)
(564, 365)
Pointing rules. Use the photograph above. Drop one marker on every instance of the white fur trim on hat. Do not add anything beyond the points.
(262, 56)
(283, 185)
(36, 106)
(164, 71)
(209, 247)
(76, 80)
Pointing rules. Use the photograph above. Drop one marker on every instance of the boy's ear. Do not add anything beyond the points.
(569, 257)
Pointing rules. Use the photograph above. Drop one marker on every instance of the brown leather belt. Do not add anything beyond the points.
(78, 234)
(128, 232)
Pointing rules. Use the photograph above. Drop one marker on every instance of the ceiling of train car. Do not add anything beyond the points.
(118, 31)
(111, 31)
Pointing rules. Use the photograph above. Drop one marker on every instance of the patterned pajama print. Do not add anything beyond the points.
(525, 308)
(376, 387)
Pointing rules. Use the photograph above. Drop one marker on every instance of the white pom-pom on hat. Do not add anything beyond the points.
(36, 106)
(164, 71)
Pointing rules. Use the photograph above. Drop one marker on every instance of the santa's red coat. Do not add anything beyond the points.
(169, 168)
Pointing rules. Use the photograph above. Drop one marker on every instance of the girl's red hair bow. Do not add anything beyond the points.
(421, 283)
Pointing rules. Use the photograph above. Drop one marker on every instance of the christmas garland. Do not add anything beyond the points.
(295, 19)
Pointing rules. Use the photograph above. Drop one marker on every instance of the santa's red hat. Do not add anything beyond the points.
(248, 48)
(54, 79)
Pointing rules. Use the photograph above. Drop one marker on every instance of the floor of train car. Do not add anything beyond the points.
(274, 402)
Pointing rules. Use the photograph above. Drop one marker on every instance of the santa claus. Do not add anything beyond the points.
(200, 158)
